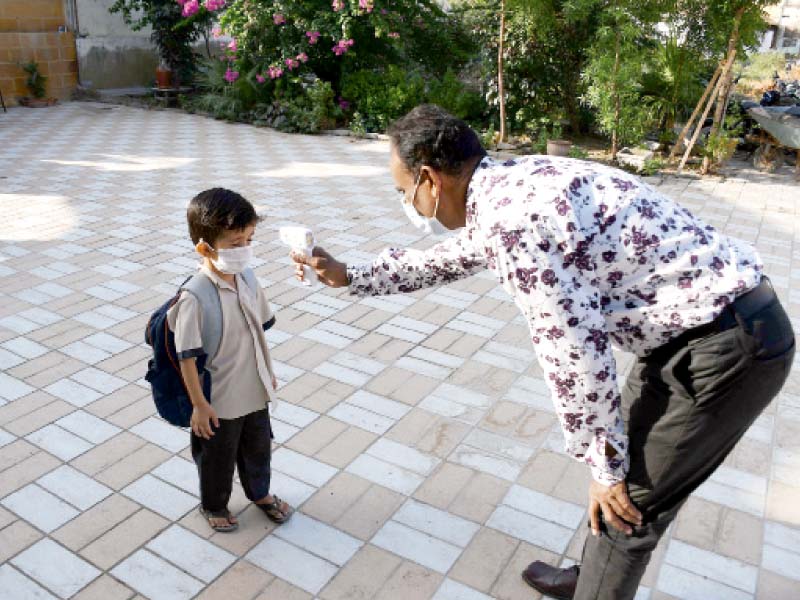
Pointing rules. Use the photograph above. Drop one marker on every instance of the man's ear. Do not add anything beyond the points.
(434, 178)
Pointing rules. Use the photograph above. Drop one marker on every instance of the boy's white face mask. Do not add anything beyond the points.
(428, 225)
(231, 261)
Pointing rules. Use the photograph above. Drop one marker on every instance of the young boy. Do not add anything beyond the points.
(231, 427)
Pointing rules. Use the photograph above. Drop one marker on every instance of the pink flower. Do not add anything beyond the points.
(216, 33)
(394, 35)
(342, 46)
(231, 76)
(365, 5)
(190, 8)
(312, 36)
(181, 2)
(344, 104)
(232, 46)
(337, 5)
(291, 63)
(213, 5)
(274, 72)
(278, 19)
(260, 78)
(302, 57)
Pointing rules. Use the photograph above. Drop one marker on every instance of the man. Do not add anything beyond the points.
(593, 256)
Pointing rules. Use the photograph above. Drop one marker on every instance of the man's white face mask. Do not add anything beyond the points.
(428, 225)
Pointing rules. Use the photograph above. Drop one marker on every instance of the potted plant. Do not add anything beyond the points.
(175, 26)
(555, 145)
(37, 86)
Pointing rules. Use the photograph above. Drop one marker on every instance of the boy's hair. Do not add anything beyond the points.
(217, 210)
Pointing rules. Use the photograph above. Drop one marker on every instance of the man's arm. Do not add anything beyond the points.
(407, 270)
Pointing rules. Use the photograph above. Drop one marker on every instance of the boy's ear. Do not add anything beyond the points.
(204, 250)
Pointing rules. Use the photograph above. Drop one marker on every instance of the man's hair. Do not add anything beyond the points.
(431, 136)
(214, 211)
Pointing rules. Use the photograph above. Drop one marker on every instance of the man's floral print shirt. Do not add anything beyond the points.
(592, 256)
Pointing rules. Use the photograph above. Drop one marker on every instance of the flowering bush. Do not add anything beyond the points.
(284, 38)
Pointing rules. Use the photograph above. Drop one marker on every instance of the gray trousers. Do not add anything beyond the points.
(685, 407)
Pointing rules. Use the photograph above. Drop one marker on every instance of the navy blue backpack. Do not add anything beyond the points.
(163, 369)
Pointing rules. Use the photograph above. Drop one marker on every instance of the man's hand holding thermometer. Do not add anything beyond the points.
(312, 263)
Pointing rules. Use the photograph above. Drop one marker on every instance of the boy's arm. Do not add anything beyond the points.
(185, 320)
(203, 414)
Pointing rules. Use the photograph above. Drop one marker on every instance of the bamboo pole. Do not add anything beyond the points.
(697, 110)
(714, 95)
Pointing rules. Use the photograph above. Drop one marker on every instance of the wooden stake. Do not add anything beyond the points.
(697, 110)
(712, 100)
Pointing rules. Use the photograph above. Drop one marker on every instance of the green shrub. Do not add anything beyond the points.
(652, 166)
(578, 152)
(451, 94)
(383, 96)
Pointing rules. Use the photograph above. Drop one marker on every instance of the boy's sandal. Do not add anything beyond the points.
(277, 511)
(219, 514)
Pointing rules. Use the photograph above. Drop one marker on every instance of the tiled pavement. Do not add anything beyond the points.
(414, 433)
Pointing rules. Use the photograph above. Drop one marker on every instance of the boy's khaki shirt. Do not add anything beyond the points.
(241, 371)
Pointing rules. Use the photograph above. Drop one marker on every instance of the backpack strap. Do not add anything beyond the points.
(204, 290)
(251, 280)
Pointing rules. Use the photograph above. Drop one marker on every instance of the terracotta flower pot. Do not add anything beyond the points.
(163, 78)
(36, 102)
(558, 147)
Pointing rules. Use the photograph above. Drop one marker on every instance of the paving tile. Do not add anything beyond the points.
(179, 472)
(710, 565)
(360, 417)
(193, 554)
(104, 588)
(87, 426)
(689, 586)
(410, 581)
(363, 576)
(437, 523)
(293, 491)
(242, 580)
(301, 467)
(530, 528)
(17, 586)
(73, 392)
(453, 590)
(293, 564)
(318, 538)
(403, 456)
(73, 486)
(160, 497)
(56, 568)
(16, 537)
(419, 547)
(98, 380)
(386, 474)
(59, 442)
(25, 347)
(39, 507)
(95, 522)
(156, 578)
(13, 389)
(161, 433)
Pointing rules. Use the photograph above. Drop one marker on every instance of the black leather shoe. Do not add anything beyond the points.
(552, 581)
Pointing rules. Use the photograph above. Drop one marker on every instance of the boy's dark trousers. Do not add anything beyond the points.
(685, 407)
(245, 442)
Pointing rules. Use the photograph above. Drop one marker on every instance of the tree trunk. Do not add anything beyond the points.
(500, 87)
(725, 89)
(617, 101)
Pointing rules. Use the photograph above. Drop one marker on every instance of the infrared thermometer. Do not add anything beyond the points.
(301, 241)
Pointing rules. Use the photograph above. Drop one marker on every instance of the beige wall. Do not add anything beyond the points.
(29, 31)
